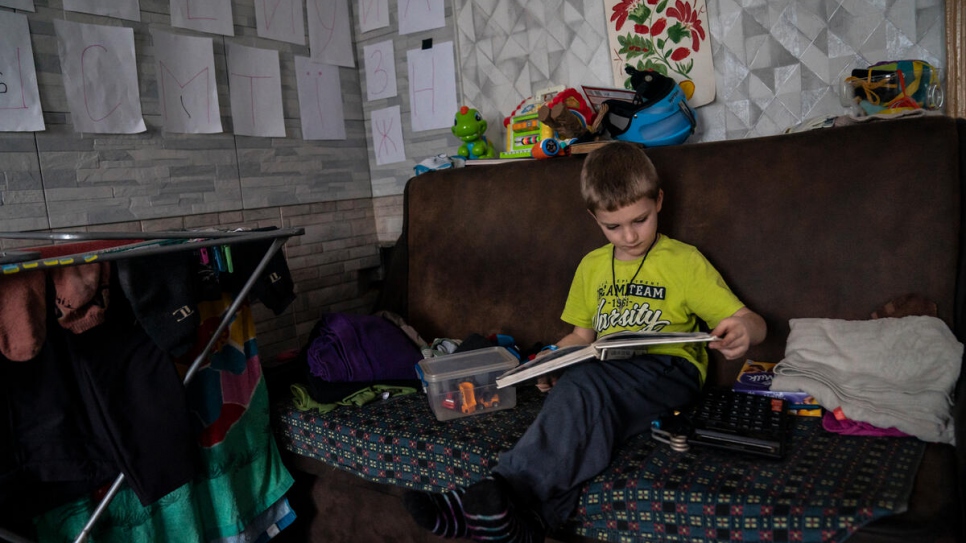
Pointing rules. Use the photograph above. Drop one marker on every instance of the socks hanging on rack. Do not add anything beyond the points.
(23, 315)
(82, 294)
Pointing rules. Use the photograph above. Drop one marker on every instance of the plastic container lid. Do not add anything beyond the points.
(454, 366)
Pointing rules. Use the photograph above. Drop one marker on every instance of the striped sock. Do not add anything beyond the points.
(438, 512)
(491, 518)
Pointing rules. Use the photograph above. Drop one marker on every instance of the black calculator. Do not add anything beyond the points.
(738, 421)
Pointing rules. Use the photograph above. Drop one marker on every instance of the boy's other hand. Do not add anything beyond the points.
(738, 332)
(546, 382)
(579, 336)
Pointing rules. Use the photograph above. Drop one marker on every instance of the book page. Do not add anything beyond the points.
(636, 339)
(610, 347)
(560, 358)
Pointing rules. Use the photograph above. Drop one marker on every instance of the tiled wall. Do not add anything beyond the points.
(105, 178)
(390, 179)
(776, 62)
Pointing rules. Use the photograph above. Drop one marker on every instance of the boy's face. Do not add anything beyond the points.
(633, 228)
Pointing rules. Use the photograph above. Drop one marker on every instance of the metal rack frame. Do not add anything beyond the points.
(198, 239)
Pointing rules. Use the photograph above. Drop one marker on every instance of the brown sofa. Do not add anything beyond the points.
(828, 223)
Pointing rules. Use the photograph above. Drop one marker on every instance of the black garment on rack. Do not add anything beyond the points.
(88, 406)
(164, 289)
(49, 451)
(141, 401)
(161, 290)
(274, 287)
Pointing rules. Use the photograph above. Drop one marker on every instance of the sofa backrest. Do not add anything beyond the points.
(827, 223)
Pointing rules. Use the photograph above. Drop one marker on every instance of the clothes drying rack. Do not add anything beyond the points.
(142, 244)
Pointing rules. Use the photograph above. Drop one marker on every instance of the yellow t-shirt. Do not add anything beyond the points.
(675, 289)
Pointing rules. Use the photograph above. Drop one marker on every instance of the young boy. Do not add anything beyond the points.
(640, 280)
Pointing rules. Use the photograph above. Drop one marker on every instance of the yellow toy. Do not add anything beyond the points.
(468, 394)
(543, 127)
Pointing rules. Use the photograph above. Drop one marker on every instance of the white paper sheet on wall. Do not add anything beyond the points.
(282, 20)
(419, 15)
(373, 14)
(320, 100)
(26, 5)
(20, 109)
(213, 16)
(255, 87)
(187, 90)
(122, 9)
(432, 87)
(330, 32)
(380, 70)
(100, 77)
(387, 141)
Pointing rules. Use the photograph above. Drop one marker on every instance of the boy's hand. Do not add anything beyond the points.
(738, 332)
(580, 336)
(546, 382)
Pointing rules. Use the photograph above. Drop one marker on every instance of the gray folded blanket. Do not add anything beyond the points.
(891, 373)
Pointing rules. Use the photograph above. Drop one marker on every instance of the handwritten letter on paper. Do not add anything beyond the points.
(380, 70)
(212, 16)
(100, 77)
(281, 20)
(373, 14)
(122, 9)
(330, 32)
(320, 100)
(432, 87)
(419, 15)
(187, 89)
(256, 91)
(19, 100)
(387, 136)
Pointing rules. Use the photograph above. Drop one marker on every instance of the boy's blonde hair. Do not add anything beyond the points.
(617, 175)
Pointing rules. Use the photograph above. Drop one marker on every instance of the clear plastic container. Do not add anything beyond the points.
(893, 87)
(464, 384)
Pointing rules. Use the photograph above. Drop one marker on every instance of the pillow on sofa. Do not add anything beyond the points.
(892, 372)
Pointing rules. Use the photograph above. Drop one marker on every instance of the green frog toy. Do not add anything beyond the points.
(469, 126)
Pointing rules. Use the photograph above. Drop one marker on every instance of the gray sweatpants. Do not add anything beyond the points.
(594, 407)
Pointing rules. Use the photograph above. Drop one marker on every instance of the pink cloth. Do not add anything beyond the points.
(23, 314)
(82, 294)
(857, 428)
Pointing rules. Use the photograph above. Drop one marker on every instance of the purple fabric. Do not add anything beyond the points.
(361, 348)
(857, 428)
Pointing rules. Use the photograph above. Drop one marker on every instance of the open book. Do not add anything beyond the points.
(610, 347)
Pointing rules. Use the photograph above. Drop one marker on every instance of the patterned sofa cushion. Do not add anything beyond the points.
(826, 487)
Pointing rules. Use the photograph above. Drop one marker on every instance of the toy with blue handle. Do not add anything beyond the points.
(660, 114)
